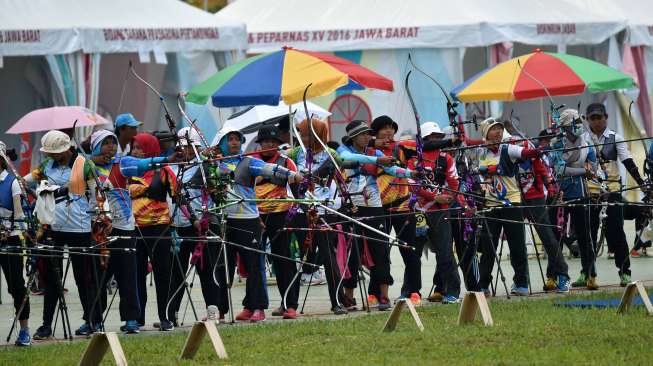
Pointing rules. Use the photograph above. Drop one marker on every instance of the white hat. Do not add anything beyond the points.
(191, 134)
(487, 124)
(429, 128)
(55, 142)
(568, 116)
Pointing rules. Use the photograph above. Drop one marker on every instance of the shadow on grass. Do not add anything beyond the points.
(530, 331)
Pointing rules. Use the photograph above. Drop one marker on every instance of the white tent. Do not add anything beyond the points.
(45, 27)
(339, 25)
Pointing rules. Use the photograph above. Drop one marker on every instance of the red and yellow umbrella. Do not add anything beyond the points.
(532, 75)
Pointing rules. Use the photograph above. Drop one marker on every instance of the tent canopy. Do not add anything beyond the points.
(339, 25)
(41, 27)
(639, 14)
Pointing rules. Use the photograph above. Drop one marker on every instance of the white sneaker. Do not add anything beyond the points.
(319, 277)
(212, 312)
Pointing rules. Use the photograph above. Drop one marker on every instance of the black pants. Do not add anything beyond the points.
(515, 236)
(538, 215)
(86, 271)
(157, 249)
(122, 265)
(580, 217)
(404, 226)
(247, 233)
(446, 278)
(614, 232)
(324, 242)
(204, 268)
(379, 250)
(12, 267)
(284, 270)
(465, 251)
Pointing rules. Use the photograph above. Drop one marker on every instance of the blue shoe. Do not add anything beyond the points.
(519, 291)
(131, 327)
(84, 330)
(486, 292)
(449, 299)
(23, 339)
(43, 332)
(564, 283)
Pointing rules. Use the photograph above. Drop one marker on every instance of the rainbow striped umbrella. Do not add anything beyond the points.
(284, 74)
(526, 77)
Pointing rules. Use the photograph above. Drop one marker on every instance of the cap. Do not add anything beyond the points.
(595, 109)
(355, 128)
(268, 132)
(55, 142)
(568, 116)
(189, 133)
(429, 128)
(127, 119)
(487, 124)
(381, 121)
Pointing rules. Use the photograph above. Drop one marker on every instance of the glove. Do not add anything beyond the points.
(531, 153)
(487, 169)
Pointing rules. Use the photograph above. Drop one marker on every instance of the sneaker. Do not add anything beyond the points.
(339, 310)
(290, 314)
(610, 255)
(519, 291)
(212, 312)
(306, 278)
(415, 298)
(131, 327)
(581, 281)
(244, 315)
(449, 299)
(258, 316)
(23, 339)
(43, 332)
(384, 304)
(84, 330)
(372, 300)
(349, 303)
(166, 326)
(625, 280)
(278, 311)
(221, 317)
(319, 278)
(635, 253)
(592, 283)
(563, 284)
(550, 284)
(436, 296)
(486, 292)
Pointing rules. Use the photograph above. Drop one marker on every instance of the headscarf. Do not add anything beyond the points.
(97, 138)
(321, 130)
(149, 144)
(223, 142)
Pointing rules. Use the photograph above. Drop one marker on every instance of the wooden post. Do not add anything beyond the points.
(631, 290)
(195, 337)
(98, 346)
(392, 321)
(473, 302)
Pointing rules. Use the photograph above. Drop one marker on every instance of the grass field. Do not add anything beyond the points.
(526, 331)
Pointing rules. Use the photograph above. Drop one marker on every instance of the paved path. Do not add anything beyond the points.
(318, 299)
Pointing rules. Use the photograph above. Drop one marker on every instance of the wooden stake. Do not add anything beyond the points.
(472, 303)
(631, 290)
(392, 321)
(195, 337)
(98, 346)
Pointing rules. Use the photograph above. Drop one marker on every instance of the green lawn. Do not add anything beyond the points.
(529, 331)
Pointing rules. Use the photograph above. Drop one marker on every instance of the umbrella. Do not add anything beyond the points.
(284, 75)
(56, 118)
(532, 75)
(253, 118)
